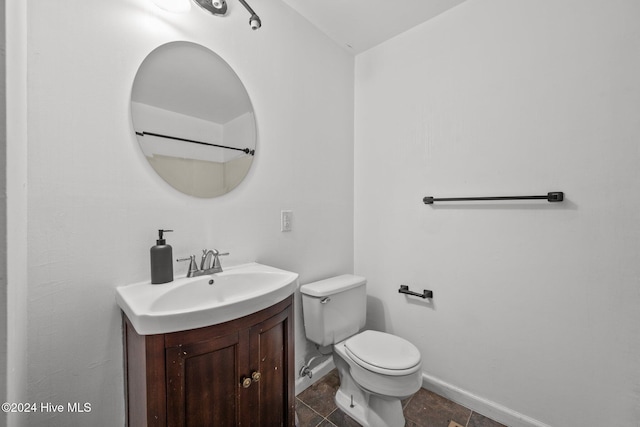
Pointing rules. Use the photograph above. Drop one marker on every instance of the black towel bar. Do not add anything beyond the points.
(554, 196)
(404, 289)
(159, 135)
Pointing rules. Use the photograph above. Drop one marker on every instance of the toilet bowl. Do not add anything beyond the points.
(377, 370)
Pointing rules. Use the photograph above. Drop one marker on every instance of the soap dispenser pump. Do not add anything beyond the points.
(161, 260)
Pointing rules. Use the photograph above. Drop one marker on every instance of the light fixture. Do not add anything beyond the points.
(215, 7)
(175, 6)
(254, 21)
(219, 8)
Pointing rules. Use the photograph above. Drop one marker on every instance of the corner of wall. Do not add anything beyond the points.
(3, 214)
(16, 204)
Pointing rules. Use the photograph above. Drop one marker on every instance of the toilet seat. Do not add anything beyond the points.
(383, 353)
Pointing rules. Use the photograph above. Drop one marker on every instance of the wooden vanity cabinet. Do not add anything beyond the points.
(238, 373)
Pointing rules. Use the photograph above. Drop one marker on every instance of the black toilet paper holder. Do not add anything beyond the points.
(404, 289)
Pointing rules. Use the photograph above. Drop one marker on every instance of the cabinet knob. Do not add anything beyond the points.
(246, 382)
(255, 376)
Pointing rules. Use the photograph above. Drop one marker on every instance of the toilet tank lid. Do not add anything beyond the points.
(333, 285)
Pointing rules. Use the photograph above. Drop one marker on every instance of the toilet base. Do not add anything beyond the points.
(368, 409)
(357, 412)
(378, 413)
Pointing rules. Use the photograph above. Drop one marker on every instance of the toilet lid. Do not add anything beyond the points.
(383, 351)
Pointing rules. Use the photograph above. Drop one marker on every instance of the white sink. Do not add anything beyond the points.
(189, 303)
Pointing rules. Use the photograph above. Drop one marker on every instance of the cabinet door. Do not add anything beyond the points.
(271, 354)
(202, 382)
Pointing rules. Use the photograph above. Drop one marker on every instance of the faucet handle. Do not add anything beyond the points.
(193, 267)
(216, 260)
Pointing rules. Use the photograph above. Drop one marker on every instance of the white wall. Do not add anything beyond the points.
(3, 211)
(94, 203)
(16, 192)
(536, 305)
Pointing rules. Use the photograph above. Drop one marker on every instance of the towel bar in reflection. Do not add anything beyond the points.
(159, 135)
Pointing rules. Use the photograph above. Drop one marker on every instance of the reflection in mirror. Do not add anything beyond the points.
(193, 119)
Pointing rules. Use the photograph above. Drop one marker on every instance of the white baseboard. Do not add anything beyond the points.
(478, 404)
(323, 368)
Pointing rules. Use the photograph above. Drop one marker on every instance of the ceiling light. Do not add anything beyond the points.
(215, 7)
(219, 8)
(254, 21)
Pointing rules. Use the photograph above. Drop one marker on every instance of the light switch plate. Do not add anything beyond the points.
(285, 220)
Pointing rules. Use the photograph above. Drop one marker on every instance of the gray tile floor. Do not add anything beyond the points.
(316, 408)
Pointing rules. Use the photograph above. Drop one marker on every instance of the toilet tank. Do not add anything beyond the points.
(334, 309)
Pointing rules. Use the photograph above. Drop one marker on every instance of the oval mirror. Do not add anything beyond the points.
(193, 119)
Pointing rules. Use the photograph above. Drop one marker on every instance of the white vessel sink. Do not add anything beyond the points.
(189, 303)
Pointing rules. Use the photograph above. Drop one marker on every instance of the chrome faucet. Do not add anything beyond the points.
(209, 264)
(214, 266)
(205, 255)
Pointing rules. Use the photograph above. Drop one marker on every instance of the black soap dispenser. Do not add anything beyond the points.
(161, 260)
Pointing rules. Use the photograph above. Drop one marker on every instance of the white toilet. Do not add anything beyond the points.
(377, 370)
